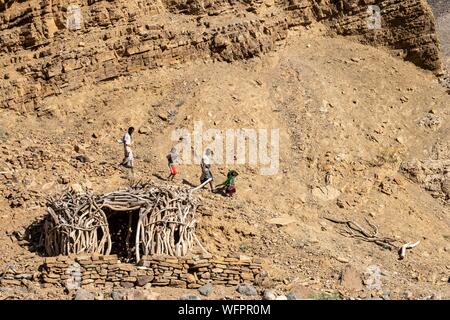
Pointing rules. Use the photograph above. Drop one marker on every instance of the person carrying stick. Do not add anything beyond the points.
(128, 160)
(229, 187)
(205, 166)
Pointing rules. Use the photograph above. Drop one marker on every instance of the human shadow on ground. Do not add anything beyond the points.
(156, 175)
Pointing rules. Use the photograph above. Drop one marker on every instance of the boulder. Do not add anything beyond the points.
(351, 279)
(83, 294)
(247, 289)
(117, 295)
(143, 280)
(206, 289)
(292, 296)
(269, 295)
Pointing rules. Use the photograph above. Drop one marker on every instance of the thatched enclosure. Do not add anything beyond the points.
(144, 219)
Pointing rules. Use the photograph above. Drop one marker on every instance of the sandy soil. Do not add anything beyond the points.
(342, 109)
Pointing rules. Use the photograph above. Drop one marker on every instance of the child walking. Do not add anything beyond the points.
(229, 185)
(171, 158)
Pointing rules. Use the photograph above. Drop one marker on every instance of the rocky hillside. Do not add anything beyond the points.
(44, 54)
(364, 135)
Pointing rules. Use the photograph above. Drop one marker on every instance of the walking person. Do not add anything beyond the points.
(128, 160)
(172, 158)
(229, 187)
(205, 166)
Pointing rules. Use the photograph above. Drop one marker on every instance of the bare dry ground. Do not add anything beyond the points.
(351, 111)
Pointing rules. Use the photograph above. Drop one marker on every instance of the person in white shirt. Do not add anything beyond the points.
(205, 165)
(128, 160)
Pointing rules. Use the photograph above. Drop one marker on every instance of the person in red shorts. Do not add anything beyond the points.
(171, 158)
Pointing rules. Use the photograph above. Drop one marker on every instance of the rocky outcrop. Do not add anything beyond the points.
(433, 174)
(406, 26)
(52, 46)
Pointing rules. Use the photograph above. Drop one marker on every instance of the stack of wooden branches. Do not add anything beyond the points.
(166, 223)
(75, 224)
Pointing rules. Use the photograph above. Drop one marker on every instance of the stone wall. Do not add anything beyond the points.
(41, 57)
(181, 272)
(12, 277)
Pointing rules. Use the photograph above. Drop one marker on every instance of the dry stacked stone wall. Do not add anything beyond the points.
(182, 272)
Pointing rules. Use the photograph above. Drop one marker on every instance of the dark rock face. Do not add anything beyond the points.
(51, 46)
(441, 10)
(407, 26)
(439, 7)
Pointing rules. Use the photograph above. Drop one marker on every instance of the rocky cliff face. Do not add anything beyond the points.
(51, 46)
(441, 10)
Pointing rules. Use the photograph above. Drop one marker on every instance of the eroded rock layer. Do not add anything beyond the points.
(51, 46)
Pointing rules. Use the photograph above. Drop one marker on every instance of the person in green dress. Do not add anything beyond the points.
(229, 187)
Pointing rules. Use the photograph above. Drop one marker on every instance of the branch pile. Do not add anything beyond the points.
(354, 230)
(78, 222)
